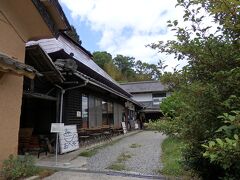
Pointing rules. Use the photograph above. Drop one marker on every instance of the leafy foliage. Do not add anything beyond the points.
(166, 126)
(102, 58)
(125, 68)
(207, 88)
(224, 150)
(18, 167)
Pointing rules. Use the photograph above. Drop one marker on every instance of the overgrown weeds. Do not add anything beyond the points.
(172, 157)
(89, 153)
(16, 167)
(119, 165)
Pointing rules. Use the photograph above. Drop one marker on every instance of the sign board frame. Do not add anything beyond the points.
(57, 127)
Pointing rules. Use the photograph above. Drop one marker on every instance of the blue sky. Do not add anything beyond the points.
(87, 36)
(124, 26)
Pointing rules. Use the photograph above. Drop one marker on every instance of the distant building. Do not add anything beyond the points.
(148, 93)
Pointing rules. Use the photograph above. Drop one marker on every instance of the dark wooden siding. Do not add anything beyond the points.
(98, 109)
(92, 114)
(95, 112)
(118, 110)
(72, 104)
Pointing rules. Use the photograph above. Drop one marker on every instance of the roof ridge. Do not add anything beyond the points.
(140, 82)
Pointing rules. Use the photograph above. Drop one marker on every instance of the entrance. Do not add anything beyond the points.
(37, 114)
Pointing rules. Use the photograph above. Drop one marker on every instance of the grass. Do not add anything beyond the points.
(134, 145)
(117, 167)
(119, 164)
(45, 172)
(124, 157)
(89, 153)
(172, 156)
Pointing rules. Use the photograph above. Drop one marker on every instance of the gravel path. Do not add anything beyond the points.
(144, 158)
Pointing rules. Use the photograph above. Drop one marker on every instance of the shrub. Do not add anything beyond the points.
(166, 126)
(224, 150)
(172, 105)
(16, 167)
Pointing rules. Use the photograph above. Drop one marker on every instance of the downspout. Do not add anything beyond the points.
(62, 94)
(61, 102)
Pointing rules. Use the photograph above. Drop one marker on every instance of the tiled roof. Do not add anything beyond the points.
(8, 64)
(143, 86)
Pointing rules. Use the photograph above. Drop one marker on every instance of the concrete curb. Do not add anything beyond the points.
(112, 173)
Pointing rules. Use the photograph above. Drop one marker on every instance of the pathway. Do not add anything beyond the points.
(138, 153)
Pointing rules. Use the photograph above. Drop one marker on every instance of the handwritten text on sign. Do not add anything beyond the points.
(68, 139)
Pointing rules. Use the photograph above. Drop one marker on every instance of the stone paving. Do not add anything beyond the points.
(143, 162)
(144, 149)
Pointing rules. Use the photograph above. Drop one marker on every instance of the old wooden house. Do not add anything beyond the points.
(149, 94)
(71, 88)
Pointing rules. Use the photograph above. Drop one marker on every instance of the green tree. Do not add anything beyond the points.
(105, 61)
(207, 84)
(125, 64)
(145, 71)
(124, 68)
(102, 58)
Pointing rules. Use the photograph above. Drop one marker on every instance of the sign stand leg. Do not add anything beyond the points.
(56, 158)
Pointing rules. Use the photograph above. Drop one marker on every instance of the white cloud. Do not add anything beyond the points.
(128, 25)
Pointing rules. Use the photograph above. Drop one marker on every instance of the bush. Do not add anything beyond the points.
(224, 150)
(165, 126)
(16, 167)
(172, 105)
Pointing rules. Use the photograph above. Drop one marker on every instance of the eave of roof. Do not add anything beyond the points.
(62, 14)
(48, 16)
(151, 110)
(10, 65)
(139, 82)
(89, 71)
(107, 88)
(77, 44)
(144, 87)
(43, 63)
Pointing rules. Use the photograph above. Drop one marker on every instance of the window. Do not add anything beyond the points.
(158, 97)
(110, 113)
(104, 113)
(84, 107)
(156, 101)
(107, 113)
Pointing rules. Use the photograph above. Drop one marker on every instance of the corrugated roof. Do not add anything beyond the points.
(54, 45)
(77, 52)
(143, 86)
(36, 57)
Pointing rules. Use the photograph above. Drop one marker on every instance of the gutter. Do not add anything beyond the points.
(62, 94)
(103, 86)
